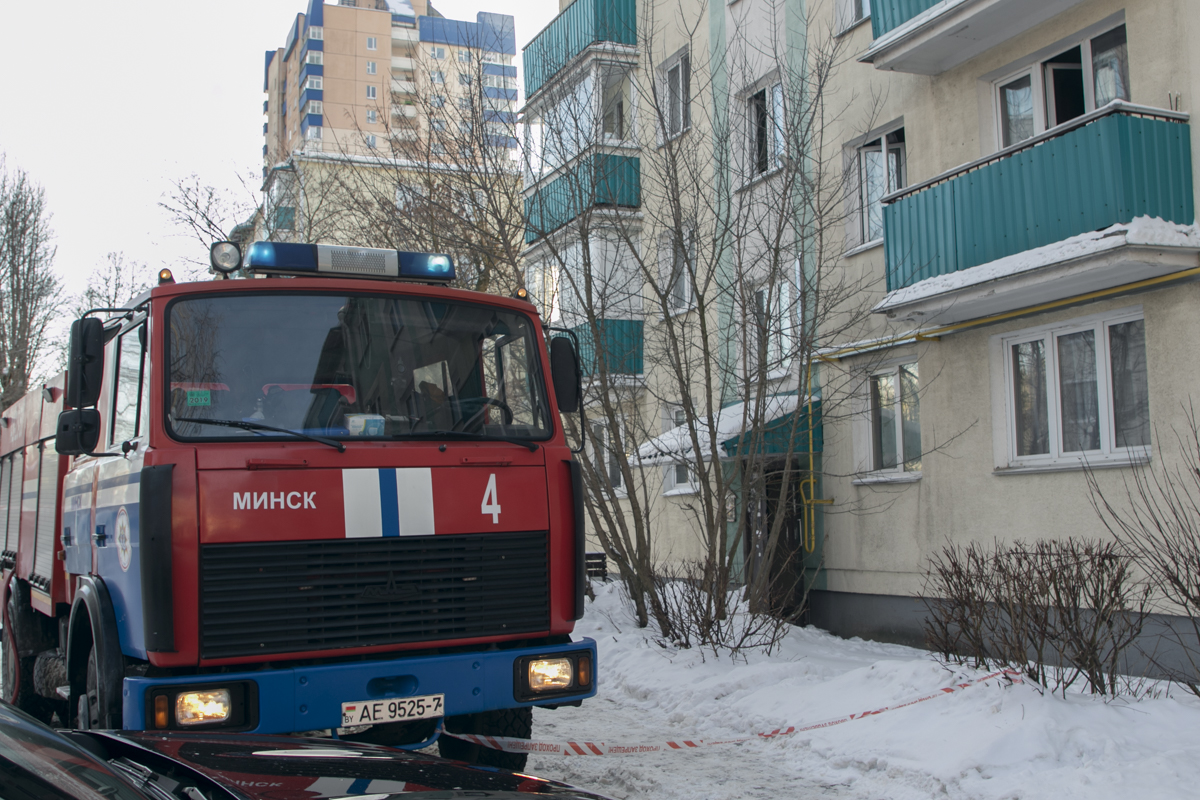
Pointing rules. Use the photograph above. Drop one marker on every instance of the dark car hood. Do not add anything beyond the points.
(291, 768)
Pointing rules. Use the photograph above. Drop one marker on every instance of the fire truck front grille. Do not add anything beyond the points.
(290, 597)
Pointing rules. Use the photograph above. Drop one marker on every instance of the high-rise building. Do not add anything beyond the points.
(351, 75)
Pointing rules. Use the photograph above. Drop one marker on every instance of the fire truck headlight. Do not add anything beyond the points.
(548, 674)
(203, 708)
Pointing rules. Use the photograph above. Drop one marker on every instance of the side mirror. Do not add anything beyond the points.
(85, 369)
(564, 373)
(78, 432)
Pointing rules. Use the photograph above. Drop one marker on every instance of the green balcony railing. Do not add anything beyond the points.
(597, 180)
(619, 342)
(580, 25)
(1106, 168)
(887, 15)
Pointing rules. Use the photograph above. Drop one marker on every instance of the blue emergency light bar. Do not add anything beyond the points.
(329, 260)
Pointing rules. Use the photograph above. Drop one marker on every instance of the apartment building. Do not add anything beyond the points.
(382, 83)
(987, 286)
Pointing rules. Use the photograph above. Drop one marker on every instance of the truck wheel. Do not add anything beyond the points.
(18, 672)
(513, 722)
(87, 712)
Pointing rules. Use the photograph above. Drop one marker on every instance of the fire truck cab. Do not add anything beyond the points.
(337, 497)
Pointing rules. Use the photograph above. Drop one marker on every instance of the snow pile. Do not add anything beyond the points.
(988, 741)
(1151, 231)
(675, 446)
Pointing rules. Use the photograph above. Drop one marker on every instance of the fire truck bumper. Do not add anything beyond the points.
(311, 698)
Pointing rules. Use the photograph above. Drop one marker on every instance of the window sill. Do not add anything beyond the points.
(761, 177)
(1076, 464)
(662, 141)
(680, 491)
(852, 26)
(862, 248)
(887, 477)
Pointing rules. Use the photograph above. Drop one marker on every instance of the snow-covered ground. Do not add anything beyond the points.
(988, 741)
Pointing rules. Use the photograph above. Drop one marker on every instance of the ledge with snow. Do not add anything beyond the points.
(1117, 256)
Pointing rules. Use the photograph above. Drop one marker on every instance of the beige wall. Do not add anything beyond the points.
(880, 535)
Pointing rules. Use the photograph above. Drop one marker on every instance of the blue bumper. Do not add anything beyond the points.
(310, 698)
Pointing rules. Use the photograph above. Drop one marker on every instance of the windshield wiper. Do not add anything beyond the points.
(471, 437)
(258, 426)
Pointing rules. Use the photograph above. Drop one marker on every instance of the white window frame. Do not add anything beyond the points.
(1037, 74)
(372, 67)
(681, 64)
(901, 468)
(314, 133)
(315, 57)
(437, 77)
(464, 79)
(372, 92)
(669, 256)
(601, 431)
(852, 12)
(437, 100)
(316, 32)
(314, 107)
(314, 83)
(372, 43)
(876, 141)
(370, 140)
(437, 53)
(464, 56)
(675, 416)
(776, 144)
(1004, 411)
(372, 116)
(779, 337)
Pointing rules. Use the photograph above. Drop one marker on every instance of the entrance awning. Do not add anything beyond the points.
(732, 424)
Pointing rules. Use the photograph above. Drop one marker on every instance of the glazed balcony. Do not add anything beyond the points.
(617, 347)
(928, 37)
(1103, 169)
(599, 180)
(582, 24)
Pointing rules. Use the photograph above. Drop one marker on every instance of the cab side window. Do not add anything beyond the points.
(130, 406)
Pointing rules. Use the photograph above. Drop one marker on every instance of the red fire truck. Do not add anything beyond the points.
(335, 497)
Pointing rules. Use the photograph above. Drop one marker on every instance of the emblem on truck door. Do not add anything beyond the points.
(124, 543)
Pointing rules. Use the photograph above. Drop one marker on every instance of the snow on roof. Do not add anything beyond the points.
(675, 446)
(402, 7)
(1150, 231)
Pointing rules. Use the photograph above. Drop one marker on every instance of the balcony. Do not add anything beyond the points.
(403, 63)
(582, 24)
(403, 87)
(597, 180)
(404, 111)
(619, 350)
(1032, 213)
(928, 37)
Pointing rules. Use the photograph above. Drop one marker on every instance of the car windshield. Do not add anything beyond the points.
(358, 366)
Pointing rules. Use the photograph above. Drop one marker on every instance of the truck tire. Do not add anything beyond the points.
(87, 711)
(513, 722)
(17, 672)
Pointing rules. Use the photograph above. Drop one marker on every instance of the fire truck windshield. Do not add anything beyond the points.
(352, 367)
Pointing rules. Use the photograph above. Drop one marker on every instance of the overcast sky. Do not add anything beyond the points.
(107, 103)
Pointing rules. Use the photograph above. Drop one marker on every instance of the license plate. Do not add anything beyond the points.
(372, 712)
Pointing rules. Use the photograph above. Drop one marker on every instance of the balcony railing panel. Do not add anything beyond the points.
(620, 347)
(583, 23)
(1114, 168)
(887, 15)
(597, 180)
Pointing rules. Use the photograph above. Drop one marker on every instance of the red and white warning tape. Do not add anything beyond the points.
(511, 745)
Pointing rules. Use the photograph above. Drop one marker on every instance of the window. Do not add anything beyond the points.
(372, 92)
(464, 127)
(372, 43)
(437, 124)
(314, 82)
(437, 77)
(880, 170)
(370, 140)
(606, 459)
(766, 123)
(895, 413)
(852, 12)
(130, 392)
(314, 132)
(372, 116)
(315, 57)
(677, 478)
(464, 79)
(371, 67)
(464, 56)
(316, 32)
(437, 100)
(1077, 391)
(314, 107)
(464, 103)
(677, 256)
(678, 95)
(1083, 78)
(769, 331)
(437, 52)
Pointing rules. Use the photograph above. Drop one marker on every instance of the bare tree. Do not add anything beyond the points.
(29, 290)
(113, 284)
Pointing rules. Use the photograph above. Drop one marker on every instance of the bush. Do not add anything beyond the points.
(1058, 611)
